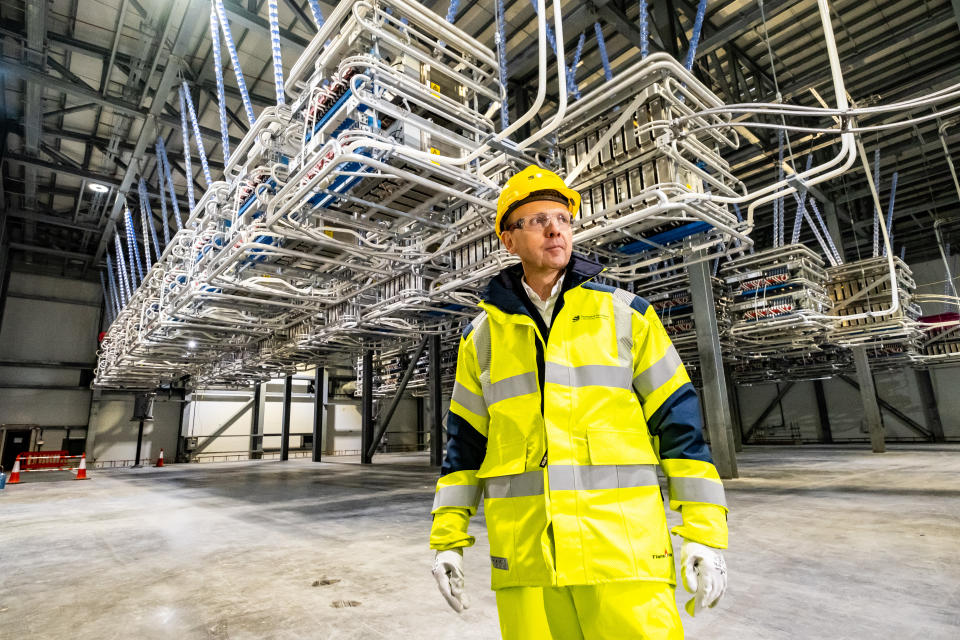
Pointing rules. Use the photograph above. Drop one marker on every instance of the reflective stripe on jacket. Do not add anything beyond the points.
(560, 431)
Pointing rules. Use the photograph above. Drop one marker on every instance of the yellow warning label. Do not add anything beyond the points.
(436, 89)
(435, 152)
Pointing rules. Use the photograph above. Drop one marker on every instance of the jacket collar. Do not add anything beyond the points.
(506, 293)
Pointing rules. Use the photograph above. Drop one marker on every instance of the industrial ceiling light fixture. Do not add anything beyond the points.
(99, 188)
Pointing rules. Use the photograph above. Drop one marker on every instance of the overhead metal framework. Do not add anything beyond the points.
(86, 89)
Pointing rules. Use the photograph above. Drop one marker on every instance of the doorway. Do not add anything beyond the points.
(15, 442)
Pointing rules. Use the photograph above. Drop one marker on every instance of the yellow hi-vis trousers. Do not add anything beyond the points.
(635, 610)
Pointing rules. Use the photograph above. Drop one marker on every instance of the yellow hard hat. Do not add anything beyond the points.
(532, 184)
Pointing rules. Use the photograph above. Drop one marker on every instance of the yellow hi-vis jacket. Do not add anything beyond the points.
(560, 430)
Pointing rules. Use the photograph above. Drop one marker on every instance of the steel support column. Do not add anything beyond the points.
(436, 404)
(93, 418)
(384, 419)
(256, 423)
(735, 413)
(868, 395)
(824, 433)
(366, 408)
(421, 436)
(320, 398)
(136, 462)
(716, 402)
(931, 413)
(285, 423)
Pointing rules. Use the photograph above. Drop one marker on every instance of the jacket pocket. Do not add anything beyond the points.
(504, 459)
(614, 446)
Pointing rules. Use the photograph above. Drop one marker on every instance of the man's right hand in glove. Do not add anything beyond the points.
(448, 570)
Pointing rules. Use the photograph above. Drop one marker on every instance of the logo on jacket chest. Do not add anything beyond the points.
(594, 316)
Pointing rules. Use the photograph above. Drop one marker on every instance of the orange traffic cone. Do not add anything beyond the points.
(82, 471)
(160, 459)
(15, 474)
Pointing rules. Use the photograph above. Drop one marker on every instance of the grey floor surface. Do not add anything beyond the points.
(825, 543)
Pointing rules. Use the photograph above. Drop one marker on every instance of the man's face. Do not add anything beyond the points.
(546, 248)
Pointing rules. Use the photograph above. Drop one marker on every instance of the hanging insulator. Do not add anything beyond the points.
(801, 208)
(168, 177)
(893, 194)
(502, 59)
(602, 45)
(273, 12)
(452, 10)
(572, 88)
(136, 266)
(187, 160)
(644, 30)
(235, 59)
(218, 72)
(876, 211)
(144, 226)
(826, 232)
(122, 268)
(197, 138)
(695, 36)
(317, 14)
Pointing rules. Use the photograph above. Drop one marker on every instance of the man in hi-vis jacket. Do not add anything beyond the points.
(568, 395)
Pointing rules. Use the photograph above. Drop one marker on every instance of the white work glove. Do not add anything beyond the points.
(704, 573)
(448, 570)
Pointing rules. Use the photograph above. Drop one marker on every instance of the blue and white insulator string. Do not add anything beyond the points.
(145, 229)
(876, 211)
(826, 231)
(121, 268)
(572, 88)
(147, 211)
(602, 45)
(801, 207)
(136, 267)
(168, 175)
(187, 160)
(273, 12)
(317, 13)
(644, 29)
(197, 137)
(235, 59)
(218, 72)
(695, 35)
(502, 60)
(893, 195)
(113, 284)
(778, 203)
(452, 10)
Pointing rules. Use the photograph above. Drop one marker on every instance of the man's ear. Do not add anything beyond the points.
(507, 238)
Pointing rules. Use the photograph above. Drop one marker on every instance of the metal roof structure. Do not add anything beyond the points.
(88, 85)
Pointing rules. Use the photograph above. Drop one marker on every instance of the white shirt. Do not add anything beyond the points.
(545, 307)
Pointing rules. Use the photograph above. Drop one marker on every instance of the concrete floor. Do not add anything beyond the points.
(826, 543)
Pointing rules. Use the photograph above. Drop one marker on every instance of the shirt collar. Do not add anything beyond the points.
(504, 289)
(535, 297)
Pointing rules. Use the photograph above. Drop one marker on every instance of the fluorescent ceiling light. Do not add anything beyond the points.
(99, 188)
